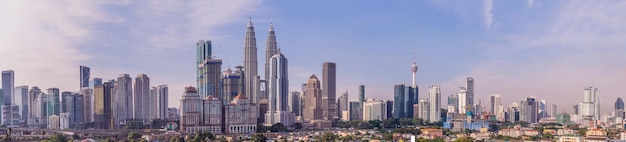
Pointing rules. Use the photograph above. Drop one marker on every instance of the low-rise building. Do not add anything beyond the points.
(566, 132)
(431, 133)
(595, 132)
(570, 139)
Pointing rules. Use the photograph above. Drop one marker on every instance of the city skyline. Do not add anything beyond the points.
(541, 53)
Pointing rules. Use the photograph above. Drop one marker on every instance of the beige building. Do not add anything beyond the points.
(313, 100)
(374, 110)
(241, 116)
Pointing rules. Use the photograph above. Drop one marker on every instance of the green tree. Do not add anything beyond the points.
(464, 139)
(56, 137)
(418, 122)
(328, 137)
(258, 137)
(134, 135)
(298, 126)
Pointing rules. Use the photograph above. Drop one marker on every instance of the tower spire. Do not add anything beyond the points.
(414, 69)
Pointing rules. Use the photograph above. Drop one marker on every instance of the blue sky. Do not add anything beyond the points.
(549, 49)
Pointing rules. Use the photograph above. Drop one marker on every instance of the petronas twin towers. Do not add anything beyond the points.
(277, 85)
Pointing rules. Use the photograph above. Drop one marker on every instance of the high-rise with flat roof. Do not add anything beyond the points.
(123, 96)
(53, 102)
(162, 101)
(103, 107)
(85, 73)
(435, 103)
(329, 85)
(8, 84)
(232, 82)
(22, 101)
(141, 98)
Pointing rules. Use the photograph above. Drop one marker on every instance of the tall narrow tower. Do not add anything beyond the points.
(271, 49)
(250, 63)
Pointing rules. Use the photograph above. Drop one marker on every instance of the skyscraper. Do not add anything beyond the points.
(8, 84)
(141, 98)
(77, 111)
(494, 103)
(293, 103)
(67, 102)
(329, 89)
(590, 104)
(356, 110)
(84, 76)
(619, 110)
(278, 89)
(87, 95)
(435, 103)
(233, 83)
(361, 93)
(424, 107)
(208, 71)
(453, 101)
(271, 49)
(162, 101)
(398, 99)
(529, 110)
(464, 106)
(619, 104)
(313, 102)
(22, 101)
(554, 112)
(342, 103)
(103, 108)
(53, 102)
(250, 63)
(123, 96)
(543, 109)
(470, 93)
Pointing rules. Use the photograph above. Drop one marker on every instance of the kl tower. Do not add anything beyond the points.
(414, 69)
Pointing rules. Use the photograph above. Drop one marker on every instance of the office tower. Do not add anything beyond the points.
(389, 107)
(208, 71)
(619, 110)
(293, 103)
(85, 73)
(103, 107)
(514, 113)
(361, 93)
(53, 102)
(424, 107)
(313, 102)
(87, 95)
(529, 110)
(233, 83)
(141, 98)
(162, 101)
(191, 109)
(67, 104)
(34, 109)
(464, 106)
(597, 104)
(243, 116)
(278, 90)
(212, 115)
(398, 98)
(271, 49)
(356, 110)
(10, 115)
(374, 110)
(250, 63)
(435, 103)
(494, 103)
(554, 112)
(329, 79)
(470, 93)
(22, 101)
(77, 120)
(123, 96)
(95, 81)
(342, 103)
(453, 103)
(543, 109)
(8, 84)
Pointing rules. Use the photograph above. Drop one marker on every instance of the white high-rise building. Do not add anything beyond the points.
(141, 98)
(463, 104)
(278, 91)
(435, 103)
(64, 121)
(424, 109)
(591, 104)
(161, 101)
(53, 122)
(374, 110)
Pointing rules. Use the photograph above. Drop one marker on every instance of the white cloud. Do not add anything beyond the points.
(581, 46)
